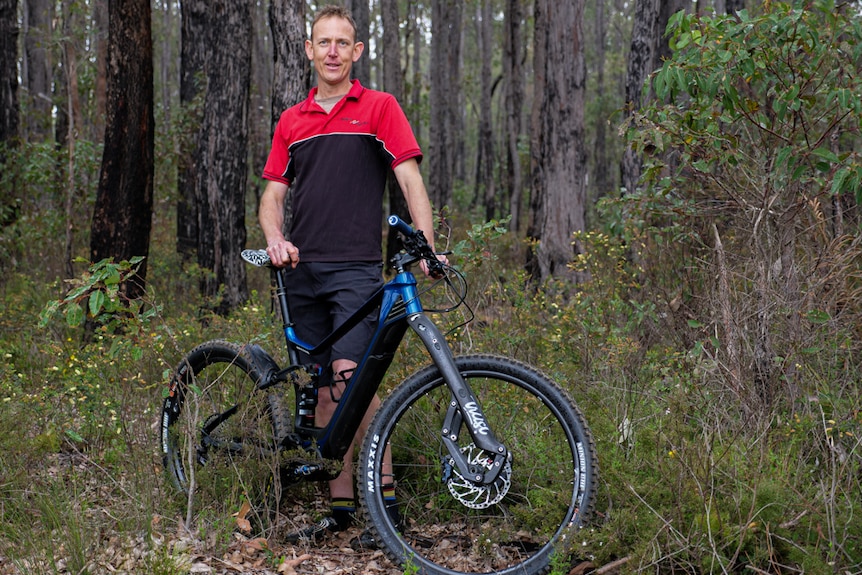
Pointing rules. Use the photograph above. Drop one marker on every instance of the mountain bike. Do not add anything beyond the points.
(495, 467)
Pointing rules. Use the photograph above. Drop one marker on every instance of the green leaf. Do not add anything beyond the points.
(74, 436)
(97, 301)
(74, 315)
(826, 154)
(818, 316)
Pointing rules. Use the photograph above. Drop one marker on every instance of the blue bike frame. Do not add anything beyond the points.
(400, 307)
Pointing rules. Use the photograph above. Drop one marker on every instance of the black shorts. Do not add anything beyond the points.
(323, 295)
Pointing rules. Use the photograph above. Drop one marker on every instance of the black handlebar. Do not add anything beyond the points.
(417, 246)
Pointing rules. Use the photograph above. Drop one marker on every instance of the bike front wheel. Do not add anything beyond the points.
(447, 523)
(220, 435)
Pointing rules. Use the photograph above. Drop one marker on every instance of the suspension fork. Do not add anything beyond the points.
(462, 408)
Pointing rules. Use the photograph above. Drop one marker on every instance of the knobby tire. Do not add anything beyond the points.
(552, 481)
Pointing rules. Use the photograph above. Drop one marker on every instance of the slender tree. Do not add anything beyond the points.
(9, 111)
(445, 99)
(557, 143)
(361, 12)
(99, 40)
(193, 21)
(8, 72)
(124, 202)
(513, 73)
(36, 69)
(223, 171)
(648, 46)
(485, 159)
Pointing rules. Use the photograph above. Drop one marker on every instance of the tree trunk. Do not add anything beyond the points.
(600, 159)
(8, 71)
(222, 174)
(393, 82)
(361, 13)
(514, 77)
(261, 96)
(9, 111)
(100, 39)
(292, 74)
(124, 202)
(445, 97)
(647, 49)
(193, 22)
(37, 56)
(485, 149)
(415, 113)
(557, 147)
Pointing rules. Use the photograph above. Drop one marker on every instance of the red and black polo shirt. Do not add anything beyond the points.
(337, 164)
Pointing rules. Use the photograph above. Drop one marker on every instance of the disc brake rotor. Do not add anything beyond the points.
(475, 496)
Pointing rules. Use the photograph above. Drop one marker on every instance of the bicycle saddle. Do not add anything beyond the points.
(257, 258)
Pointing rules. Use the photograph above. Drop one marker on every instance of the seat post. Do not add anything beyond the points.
(281, 295)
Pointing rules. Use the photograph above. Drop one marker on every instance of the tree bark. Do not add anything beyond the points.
(361, 13)
(37, 58)
(485, 153)
(647, 49)
(514, 77)
(8, 71)
(445, 98)
(557, 147)
(193, 24)
(9, 107)
(124, 201)
(601, 163)
(222, 175)
(292, 73)
(100, 40)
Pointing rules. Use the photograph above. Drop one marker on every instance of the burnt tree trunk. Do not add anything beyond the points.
(222, 173)
(124, 202)
(8, 72)
(193, 19)
(8, 102)
(557, 143)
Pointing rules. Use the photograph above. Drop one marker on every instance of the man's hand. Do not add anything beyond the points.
(283, 253)
(431, 273)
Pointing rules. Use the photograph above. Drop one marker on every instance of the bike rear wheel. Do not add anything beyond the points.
(451, 525)
(220, 435)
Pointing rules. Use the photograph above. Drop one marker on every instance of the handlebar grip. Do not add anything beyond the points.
(400, 225)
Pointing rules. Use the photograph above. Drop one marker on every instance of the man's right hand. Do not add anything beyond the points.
(283, 253)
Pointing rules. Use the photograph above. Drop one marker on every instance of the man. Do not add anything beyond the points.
(335, 149)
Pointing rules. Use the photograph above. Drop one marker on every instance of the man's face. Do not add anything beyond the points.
(333, 50)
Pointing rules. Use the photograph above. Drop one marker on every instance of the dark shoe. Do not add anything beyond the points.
(365, 542)
(316, 532)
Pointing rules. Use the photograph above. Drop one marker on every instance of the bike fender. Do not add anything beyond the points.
(263, 366)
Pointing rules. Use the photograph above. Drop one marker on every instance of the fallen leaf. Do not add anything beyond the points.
(288, 566)
(242, 523)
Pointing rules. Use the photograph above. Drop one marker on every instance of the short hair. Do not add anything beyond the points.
(334, 11)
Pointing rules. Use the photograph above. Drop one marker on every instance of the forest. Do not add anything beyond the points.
(653, 201)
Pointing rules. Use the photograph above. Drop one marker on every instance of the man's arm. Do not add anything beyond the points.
(271, 218)
(410, 179)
